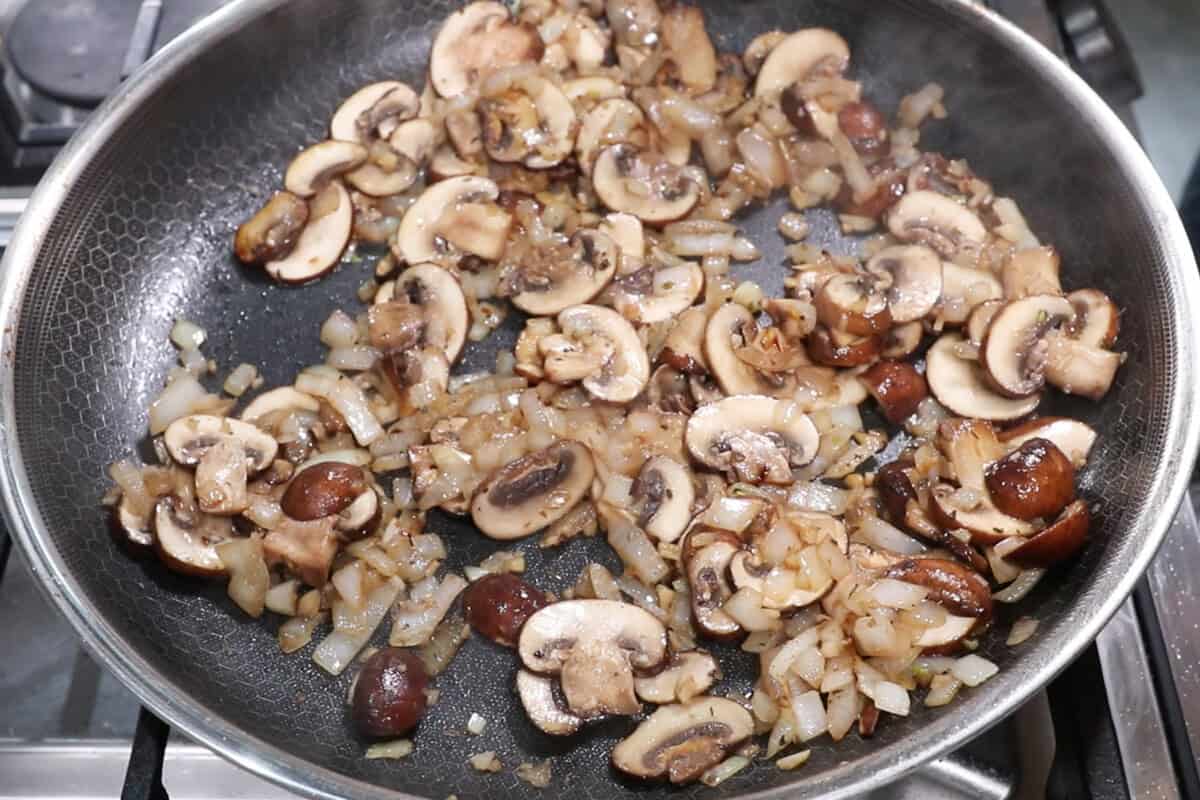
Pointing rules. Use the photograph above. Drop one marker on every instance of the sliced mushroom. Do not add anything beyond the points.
(730, 332)
(897, 387)
(323, 489)
(611, 121)
(280, 399)
(618, 370)
(1072, 437)
(189, 439)
(477, 228)
(706, 556)
(575, 274)
(416, 239)
(662, 498)
(358, 518)
(634, 22)
(656, 294)
(1058, 542)
(938, 221)
(593, 646)
(971, 444)
(902, 340)
(912, 279)
(686, 40)
(979, 320)
(682, 741)
(961, 385)
(414, 139)
(445, 163)
(963, 290)
(854, 303)
(273, 231)
(683, 348)
(532, 492)
(528, 119)
(837, 349)
(1077, 368)
(1097, 320)
(747, 572)
(961, 591)
(430, 310)
(373, 112)
(800, 55)
(388, 172)
(758, 439)
(319, 246)
(132, 527)
(626, 231)
(643, 184)
(686, 675)
(310, 171)
(1035, 480)
(475, 41)
(592, 89)
(543, 707)
(1029, 272)
(1014, 349)
(306, 549)
(221, 478)
(186, 539)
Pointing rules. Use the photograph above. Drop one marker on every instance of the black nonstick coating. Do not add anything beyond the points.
(144, 238)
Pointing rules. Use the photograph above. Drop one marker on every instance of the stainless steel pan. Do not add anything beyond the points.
(131, 229)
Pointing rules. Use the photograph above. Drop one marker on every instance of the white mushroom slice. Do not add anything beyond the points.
(796, 57)
(610, 122)
(528, 120)
(374, 111)
(310, 171)
(1096, 321)
(358, 515)
(727, 332)
(1014, 348)
(388, 172)
(653, 295)
(1077, 368)
(593, 88)
(1071, 436)
(682, 741)
(706, 556)
(953, 628)
(758, 439)
(188, 439)
(574, 274)
(643, 184)
(964, 289)
(913, 280)
(320, 245)
(443, 306)
(416, 239)
(624, 370)
(662, 498)
(280, 399)
(477, 228)
(476, 40)
(414, 139)
(961, 385)
(446, 163)
(980, 319)
(594, 646)
(688, 674)
(186, 539)
(626, 231)
(221, 478)
(537, 697)
(937, 221)
(902, 341)
(684, 346)
(534, 491)
(746, 572)
(1029, 272)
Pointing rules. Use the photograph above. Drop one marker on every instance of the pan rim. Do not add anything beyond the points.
(170, 702)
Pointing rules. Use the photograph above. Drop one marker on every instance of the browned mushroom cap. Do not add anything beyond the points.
(1096, 321)
(310, 171)
(611, 121)
(543, 707)
(960, 385)
(800, 55)
(273, 230)
(662, 498)
(1058, 542)
(706, 557)
(535, 490)
(963, 289)
(320, 245)
(835, 349)
(758, 439)
(1072, 437)
(729, 336)
(527, 118)
(961, 591)
(682, 741)
(971, 444)
(933, 219)
(323, 489)
(374, 112)
(1030, 272)
(1077, 368)
(854, 303)
(475, 41)
(1035, 480)
(895, 490)
(684, 346)
(686, 675)
(897, 387)
(911, 276)
(902, 341)
(980, 319)
(186, 539)
(416, 239)
(643, 184)
(576, 274)
(1014, 350)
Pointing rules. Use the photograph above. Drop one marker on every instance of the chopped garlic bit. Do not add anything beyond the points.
(485, 762)
(476, 724)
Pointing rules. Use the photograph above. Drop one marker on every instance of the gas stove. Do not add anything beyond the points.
(1122, 722)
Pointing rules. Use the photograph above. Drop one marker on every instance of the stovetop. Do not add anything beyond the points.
(1122, 722)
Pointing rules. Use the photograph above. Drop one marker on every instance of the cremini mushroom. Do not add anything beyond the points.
(319, 246)
(1078, 368)
(323, 489)
(706, 556)
(593, 646)
(686, 675)
(682, 741)
(534, 491)
(1097, 320)
(854, 303)
(911, 277)
(558, 277)
(970, 445)
(800, 55)
(189, 439)
(475, 41)
(937, 221)
(654, 294)
(756, 438)
(1033, 481)
(643, 183)
(446, 163)
(683, 348)
(686, 41)
(897, 387)
(273, 231)
(386, 172)
(1074, 438)
(477, 228)
(1014, 349)
(374, 112)
(186, 539)
(526, 118)
(840, 349)
(662, 497)
(634, 22)
(731, 337)
(307, 549)
(979, 320)
(310, 171)
(416, 239)
(599, 348)
(429, 309)
(133, 528)
(221, 477)
(962, 592)
(963, 290)
(543, 707)
(609, 122)
(358, 518)
(748, 572)
(961, 385)
(1029, 272)
(1058, 541)
(414, 139)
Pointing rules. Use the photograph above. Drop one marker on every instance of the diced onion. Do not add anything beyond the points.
(536, 775)
(636, 550)
(281, 598)
(972, 670)
(732, 513)
(355, 358)
(722, 772)
(347, 399)
(339, 648)
(240, 380)
(394, 749)
(187, 335)
(181, 397)
(476, 724)
(1022, 586)
(1022, 629)
(809, 713)
(874, 531)
(249, 579)
(415, 620)
(746, 609)
(340, 330)
(794, 761)
(942, 690)
(892, 698)
(897, 594)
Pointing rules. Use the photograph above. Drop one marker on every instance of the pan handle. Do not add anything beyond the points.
(143, 777)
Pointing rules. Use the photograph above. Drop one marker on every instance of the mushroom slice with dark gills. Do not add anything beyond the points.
(964, 594)
(526, 118)
(681, 741)
(911, 277)
(186, 539)
(643, 183)
(662, 498)
(939, 222)
(683, 349)
(429, 309)
(753, 438)
(1097, 320)
(557, 276)
(543, 707)
(599, 348)
(475, 41)
(800, 55)
(747, 359)
(594, 646)
(855, 303)
(417, 239)
(273, 231)
(534, 491)
(706, 556)
(319, 246)
(611, 121)
(688, 674)
(654, 294)
(960, 384)
(315, 166)
(374, 112)
(189, 440)
(1014, 350)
